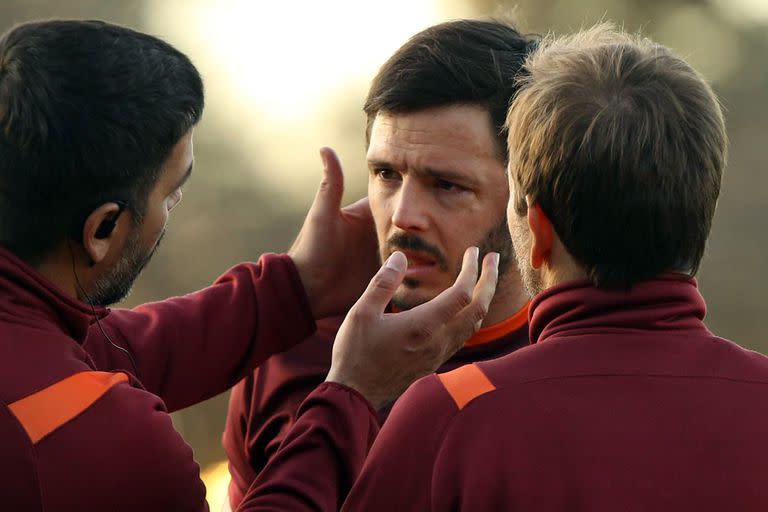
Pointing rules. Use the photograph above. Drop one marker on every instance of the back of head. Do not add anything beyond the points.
(623, 146)
(464, 61)
(88, 113)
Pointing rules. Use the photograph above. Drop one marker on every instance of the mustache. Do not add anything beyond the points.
(404, 241)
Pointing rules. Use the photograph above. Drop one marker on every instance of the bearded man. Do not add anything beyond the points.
(437, 184)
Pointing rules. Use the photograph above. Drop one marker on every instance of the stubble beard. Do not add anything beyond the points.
(116, 283)
(521, 241)
(496, 240)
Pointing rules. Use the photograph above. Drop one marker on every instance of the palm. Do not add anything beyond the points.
(336, 250)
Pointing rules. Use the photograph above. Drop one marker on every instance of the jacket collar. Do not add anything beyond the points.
(671, 302)
(27, 297)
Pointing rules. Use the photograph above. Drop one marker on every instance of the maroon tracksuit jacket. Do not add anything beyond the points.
(79, 430)
(263, 407)
(626, 402)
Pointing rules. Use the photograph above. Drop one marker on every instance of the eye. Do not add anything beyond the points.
(449, 186)
(387, 174)
(174, 198)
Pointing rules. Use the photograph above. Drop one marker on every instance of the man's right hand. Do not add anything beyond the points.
(380, 354)
(336, 252)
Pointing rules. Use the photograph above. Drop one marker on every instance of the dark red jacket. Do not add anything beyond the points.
(80, 431)
(263, 407)
(626, 402)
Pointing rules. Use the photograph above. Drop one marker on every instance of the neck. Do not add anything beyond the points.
(560, 267)
(509, 298)
(60, 270)
(669, 302)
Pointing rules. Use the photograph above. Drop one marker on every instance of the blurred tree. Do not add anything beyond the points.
(126, 12)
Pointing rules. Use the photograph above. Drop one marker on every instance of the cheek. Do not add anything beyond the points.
(518, 228)
(510, 214)
(156, 219)
(380, 209)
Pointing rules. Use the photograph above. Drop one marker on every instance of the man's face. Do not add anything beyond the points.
(436, 186)
(144, 239)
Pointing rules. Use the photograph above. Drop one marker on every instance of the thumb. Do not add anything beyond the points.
(329, 194)
(382, 287)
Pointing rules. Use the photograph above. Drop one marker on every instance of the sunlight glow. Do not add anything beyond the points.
(745, 11)
(216, 480)
(284, 58)
(283, 79)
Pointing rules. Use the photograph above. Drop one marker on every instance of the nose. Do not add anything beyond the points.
(410, 211)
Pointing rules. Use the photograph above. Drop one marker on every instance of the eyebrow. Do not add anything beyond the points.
(439, 174)
(186, 176)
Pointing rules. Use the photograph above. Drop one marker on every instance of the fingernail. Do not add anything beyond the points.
(495, 260)
(397, 261)
(322, 157)
(475, 252)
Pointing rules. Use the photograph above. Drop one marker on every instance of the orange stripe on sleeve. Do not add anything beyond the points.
(466, 383)
(48, 409)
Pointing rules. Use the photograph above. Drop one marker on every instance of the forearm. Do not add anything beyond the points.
(321, 456)
(192, 347)
(264, 406)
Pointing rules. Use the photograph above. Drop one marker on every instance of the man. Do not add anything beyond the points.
(95, 147)
(437, 183)
(626, 401)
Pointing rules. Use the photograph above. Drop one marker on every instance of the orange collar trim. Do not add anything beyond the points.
(501, 329)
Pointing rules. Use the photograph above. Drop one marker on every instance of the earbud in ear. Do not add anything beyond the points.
(105, 228)
(108, 225)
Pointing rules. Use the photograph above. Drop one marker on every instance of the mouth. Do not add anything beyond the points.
(419, 263)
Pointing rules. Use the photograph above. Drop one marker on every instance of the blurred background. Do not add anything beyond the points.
(285, 78)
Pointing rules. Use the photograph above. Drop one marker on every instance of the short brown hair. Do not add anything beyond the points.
(456, 62)
(622, 144)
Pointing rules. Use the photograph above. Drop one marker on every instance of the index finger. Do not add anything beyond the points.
(360, 209)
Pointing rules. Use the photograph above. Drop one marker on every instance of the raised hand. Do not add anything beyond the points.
(336, 250)
(380, 354)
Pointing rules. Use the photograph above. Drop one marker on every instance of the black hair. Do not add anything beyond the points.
(89, 112)
(463, 61)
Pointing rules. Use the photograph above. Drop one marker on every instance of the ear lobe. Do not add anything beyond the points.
(541, 236)
(98, 229)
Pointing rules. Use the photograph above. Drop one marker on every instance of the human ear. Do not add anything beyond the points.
(541, 235)
(98, 229)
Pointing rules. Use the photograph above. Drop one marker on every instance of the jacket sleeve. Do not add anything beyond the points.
(320, 457)
(264, 406)
(398, 472)
(120, 453)
(190, 348)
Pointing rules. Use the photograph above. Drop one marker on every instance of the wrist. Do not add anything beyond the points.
(375, 399)
(307, 282)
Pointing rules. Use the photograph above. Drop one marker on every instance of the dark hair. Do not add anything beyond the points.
(463, 61)
(88, 113)
(623, 146)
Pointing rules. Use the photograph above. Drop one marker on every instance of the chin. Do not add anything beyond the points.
(409, 298)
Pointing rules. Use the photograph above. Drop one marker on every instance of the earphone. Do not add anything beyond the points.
(108, 225)
(103, 231)
(96, 317)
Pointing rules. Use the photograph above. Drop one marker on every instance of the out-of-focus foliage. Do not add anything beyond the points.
(255, 172)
